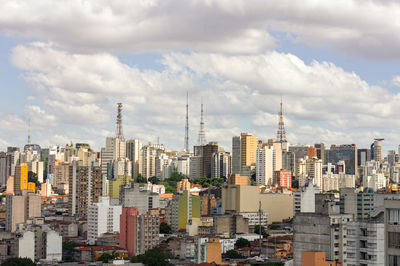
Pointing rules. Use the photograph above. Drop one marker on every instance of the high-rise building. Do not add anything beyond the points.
(311, 152)
(365, 242)
(248, 150)
(236, 156)
(320, 151)
(138, 232)
(346, 153)
(3, 168)
(314, 171)
(363, 156)
(85, 187)
(220, 165)
(133, 195)
(21, 207)
(324, 230)
(133, 147)
(21, 178)
(61, 177)
(102, 218)
(115, 148)
(265, 165)
(183, 208)
(283, 178)
(376, 150)
(289, 161)
(149, 154)
(304, 199)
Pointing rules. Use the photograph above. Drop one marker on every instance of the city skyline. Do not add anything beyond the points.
(336, 72)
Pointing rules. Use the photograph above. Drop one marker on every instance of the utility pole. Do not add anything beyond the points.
(259, 227)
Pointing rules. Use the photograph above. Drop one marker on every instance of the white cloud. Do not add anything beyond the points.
(76, 95)
(396, 81)
(365, 28)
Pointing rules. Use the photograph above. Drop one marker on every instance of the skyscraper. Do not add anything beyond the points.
(85, 187)
(133, 147)
(248, 151)
(139, 232)
(265, 165)
(20, 178)
(376, 149)
(236, 161)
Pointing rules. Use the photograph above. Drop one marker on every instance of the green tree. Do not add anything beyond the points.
(242, 242)
(274, 227)
(141, 179)
(32, 177)
(233, 254)
(273, 263)
(176, 177)
(105, 257)
(18, 262)
(68, 245)
(263, 231)
(154, 180)
(153, 257)
(165, 228)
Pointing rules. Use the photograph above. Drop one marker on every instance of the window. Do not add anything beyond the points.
(394, 239)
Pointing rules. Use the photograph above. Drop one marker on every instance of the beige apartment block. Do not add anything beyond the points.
(278, 206)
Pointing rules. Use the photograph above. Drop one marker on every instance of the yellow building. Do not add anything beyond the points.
(31, 186)
(278, 206)
(248, 150)
(21, 178)
(114, 186)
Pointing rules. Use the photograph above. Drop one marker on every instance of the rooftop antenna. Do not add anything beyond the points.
(118, 132)
(29, 131)
(187, 124)
(202, 133)
(281, 134)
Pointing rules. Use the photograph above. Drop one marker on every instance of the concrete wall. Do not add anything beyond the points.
(26, 246)
(311, 233)
(278, 206)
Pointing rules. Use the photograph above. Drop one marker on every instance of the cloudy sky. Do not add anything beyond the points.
(65, 64)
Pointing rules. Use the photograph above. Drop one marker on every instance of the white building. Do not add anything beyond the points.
(337, 181)
(115, 148)
(227, 244)
(182, 165)
(26, 245)
(254, 218)
(304, 199)
(365, 243)
(265, 165)
(102, 218)
(133, 147)
(164, 166)
(53, 252)
(314, 170)
(375, 181)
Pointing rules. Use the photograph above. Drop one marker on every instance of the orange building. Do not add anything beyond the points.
(316, 258)
(283, 178)
(183, 185)
(214, 251)
(237, 179)
(311, 152)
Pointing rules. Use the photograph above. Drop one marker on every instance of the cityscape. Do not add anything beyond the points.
(199, 132)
